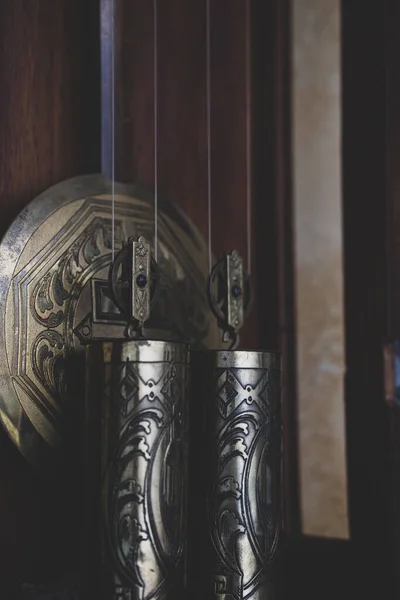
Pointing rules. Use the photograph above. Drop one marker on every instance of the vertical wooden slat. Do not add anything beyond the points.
(364, 216)
(318, 250)
(392, 48)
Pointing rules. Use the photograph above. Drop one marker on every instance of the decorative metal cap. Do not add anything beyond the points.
(140, 281)
(230, 295)
(131, 277)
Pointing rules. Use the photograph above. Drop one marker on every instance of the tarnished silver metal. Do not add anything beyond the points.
(235, 475)
(229, 296)
(134, 282)
(135, 438)
(140, 282)
(234, 296)
(53, 259)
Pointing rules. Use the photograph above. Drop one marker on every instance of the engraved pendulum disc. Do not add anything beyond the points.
(55, 253)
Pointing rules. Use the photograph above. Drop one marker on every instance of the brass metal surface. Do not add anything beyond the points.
(235, 475)
(52, 257)
(135, 470)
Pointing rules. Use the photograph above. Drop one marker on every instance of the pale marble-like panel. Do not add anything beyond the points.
(318, 265)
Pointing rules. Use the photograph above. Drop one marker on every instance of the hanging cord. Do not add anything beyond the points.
(155, 75)
(112, 130)
(249, 182)
(208, 76)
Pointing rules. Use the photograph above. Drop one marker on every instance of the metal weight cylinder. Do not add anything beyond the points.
(235, 475)
(135, 470)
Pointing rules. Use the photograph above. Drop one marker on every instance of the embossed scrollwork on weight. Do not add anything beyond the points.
(145, 479)
(243, 502)
(126, 526)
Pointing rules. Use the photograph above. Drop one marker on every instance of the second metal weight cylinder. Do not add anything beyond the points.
(235, 475)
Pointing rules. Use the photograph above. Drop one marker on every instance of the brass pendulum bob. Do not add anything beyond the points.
(135, 449)
(235, 468)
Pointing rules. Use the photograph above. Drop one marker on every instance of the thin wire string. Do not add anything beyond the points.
(155, 74)
(249, 190)
(112, 130)
(208, 92)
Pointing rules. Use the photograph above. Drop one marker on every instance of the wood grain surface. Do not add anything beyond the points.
(182, 113)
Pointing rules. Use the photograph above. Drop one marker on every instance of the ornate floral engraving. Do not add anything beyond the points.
(54, 298)
(144, 489)
(64, 242)
(244, 498)
(48, 364)
(51, 293)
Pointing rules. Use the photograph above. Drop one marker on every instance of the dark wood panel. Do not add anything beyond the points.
(365, 256)
(49, 131)
(182, 136)
(281, 300)
(392, 47)
(319, 568)
(49, 103)
(182, 111)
